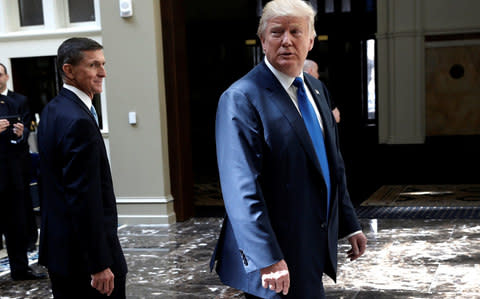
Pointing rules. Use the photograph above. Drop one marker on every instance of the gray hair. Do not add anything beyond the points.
(308, 64)
(291, 8)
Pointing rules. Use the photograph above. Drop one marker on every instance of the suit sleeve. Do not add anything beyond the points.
(83, 194)
(239, 143)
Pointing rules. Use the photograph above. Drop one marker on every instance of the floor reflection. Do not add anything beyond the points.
(405, 259)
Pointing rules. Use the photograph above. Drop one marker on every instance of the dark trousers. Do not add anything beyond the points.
(250, 296)
(13, 222)
(31, 224)
(79, 287)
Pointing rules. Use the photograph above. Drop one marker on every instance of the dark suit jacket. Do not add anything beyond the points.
(25, 114)
(79, 214)
(11, 175)
(273, 188)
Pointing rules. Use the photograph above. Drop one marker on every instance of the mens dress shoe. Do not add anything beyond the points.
(28, 275)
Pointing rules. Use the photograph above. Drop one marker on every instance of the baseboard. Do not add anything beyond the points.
(146, 210)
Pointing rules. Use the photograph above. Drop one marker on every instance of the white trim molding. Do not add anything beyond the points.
(146, 210)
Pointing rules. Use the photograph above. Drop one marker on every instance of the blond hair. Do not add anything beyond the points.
(283, 8)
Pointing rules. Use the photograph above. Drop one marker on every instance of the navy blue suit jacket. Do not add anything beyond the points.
(11, 175)
(25, 114)
(273, 188)
(79, 215)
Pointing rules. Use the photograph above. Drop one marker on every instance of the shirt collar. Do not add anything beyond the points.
(5, 92)
(285, 80)
(82, 95)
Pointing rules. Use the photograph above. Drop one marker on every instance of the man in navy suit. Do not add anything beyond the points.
(78, 238)
(16, 213)
(286, 202)
(21, 102)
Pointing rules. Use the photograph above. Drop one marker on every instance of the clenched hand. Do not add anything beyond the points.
(103, 281)
(276, 277)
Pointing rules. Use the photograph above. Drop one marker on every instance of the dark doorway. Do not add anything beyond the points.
(217, 60)
(37, 78)
(221, 47)
(346, 32)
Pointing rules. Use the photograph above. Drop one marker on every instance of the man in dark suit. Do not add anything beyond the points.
(24, 112)
(78, 237)
(14, 216)
(281, 171)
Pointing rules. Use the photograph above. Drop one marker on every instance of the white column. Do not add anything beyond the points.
(9, 16)
(401, 95)
(54, 14)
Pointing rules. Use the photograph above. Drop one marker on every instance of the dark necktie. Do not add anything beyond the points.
(313, 127)
(94, 112)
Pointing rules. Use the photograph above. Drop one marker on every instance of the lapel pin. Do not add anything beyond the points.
(316, 91)
(2, 102)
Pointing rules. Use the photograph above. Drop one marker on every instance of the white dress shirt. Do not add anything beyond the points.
(287, 83)
(82, 95)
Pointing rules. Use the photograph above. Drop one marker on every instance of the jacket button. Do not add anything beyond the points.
(323, 226)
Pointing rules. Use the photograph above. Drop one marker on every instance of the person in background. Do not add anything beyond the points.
(78, 238)
(311, 67)
(281, 171)
(26, 116)
(16, 207)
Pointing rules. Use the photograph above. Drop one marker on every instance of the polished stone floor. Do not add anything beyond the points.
(405, 259)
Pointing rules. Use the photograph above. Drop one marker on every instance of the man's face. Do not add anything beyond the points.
(3, 79)
(88, 74)
(286, 43)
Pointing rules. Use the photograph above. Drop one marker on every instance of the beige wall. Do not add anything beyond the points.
(135, 83)
(402, 27)
(452, 103)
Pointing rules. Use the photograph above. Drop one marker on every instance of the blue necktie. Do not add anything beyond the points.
(313, 127)
(94, 112)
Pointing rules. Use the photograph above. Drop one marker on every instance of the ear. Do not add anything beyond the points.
(262, 41)
(311, 43)
(68, 70)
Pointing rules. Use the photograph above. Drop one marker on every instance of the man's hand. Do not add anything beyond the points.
(4, 125)
(359, 244)
(103, 281)
(336, 115)
(276, 277)
(18, 129)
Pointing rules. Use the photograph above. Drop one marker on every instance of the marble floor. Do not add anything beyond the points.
(405, 259)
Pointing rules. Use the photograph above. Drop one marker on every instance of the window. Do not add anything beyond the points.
(371, 89)
(346, 6)
(31, 12)
(81, 11)
(329, 6)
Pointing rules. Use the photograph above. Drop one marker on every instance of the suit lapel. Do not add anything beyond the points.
(284, 103)
(321, 101)
(72, 96)
(320, 98)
